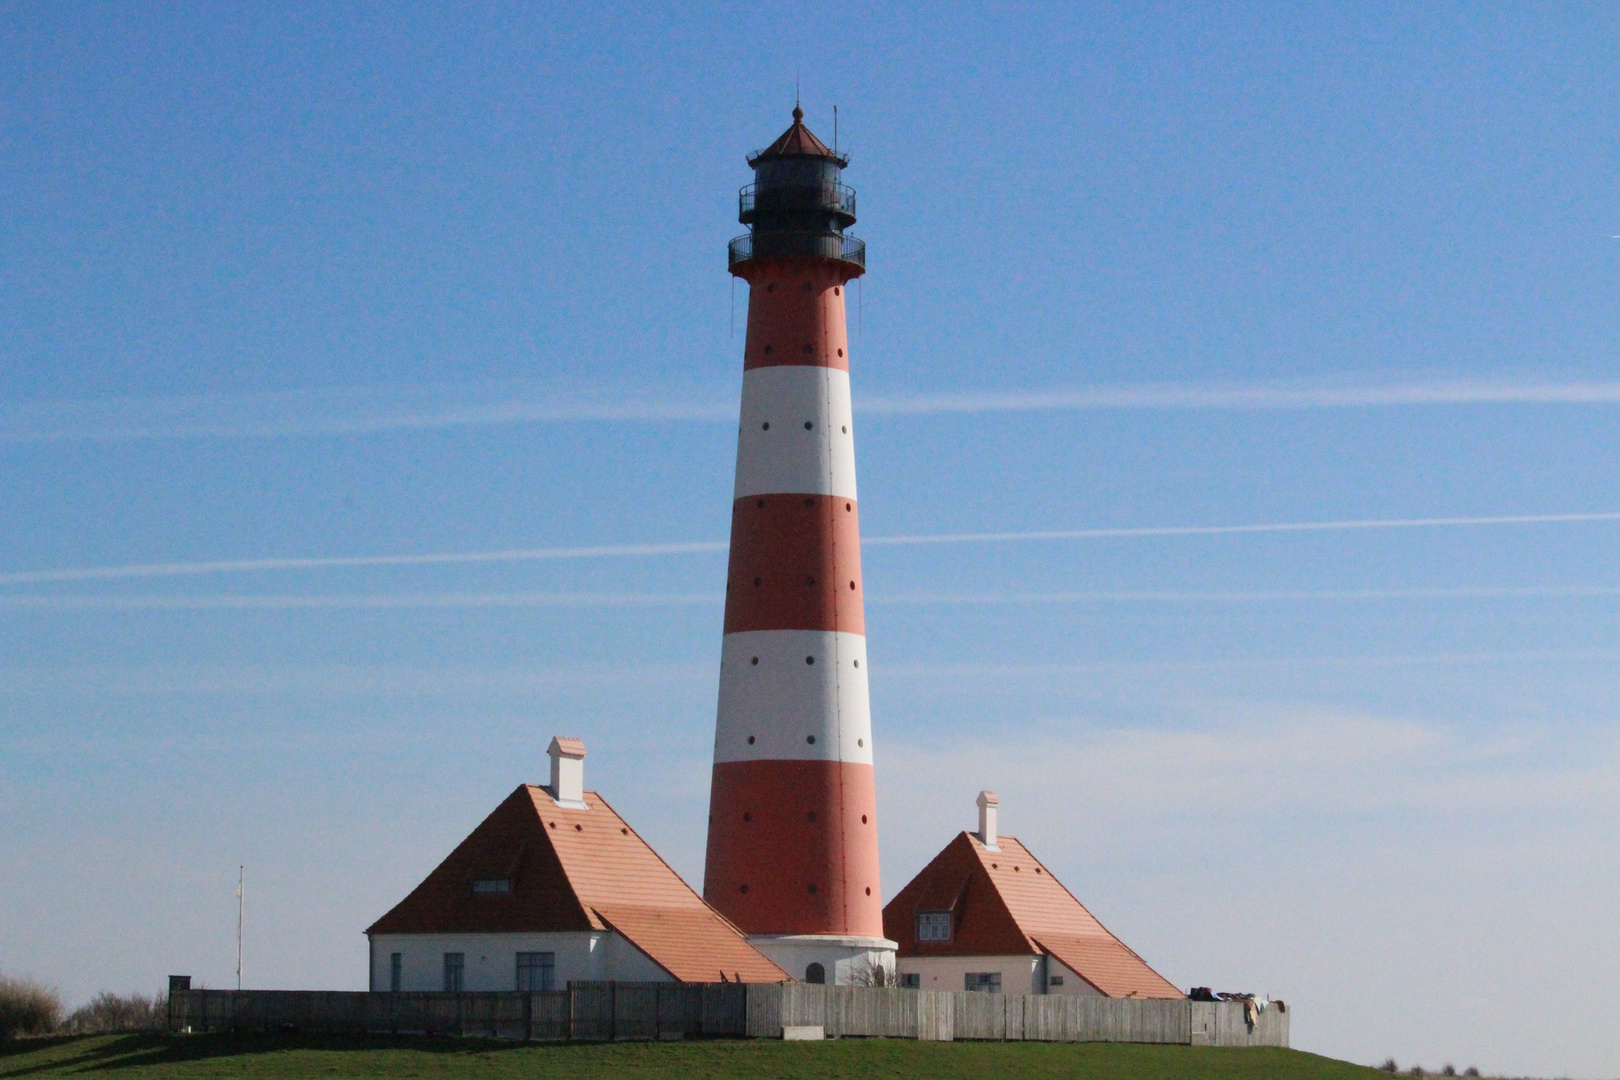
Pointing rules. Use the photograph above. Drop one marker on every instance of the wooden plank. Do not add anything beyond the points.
(765, 1006)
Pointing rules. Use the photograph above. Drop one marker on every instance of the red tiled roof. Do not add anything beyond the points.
(1007, 903)
(573, 869)
(796, 141)
(1107, 964)
(569, 745)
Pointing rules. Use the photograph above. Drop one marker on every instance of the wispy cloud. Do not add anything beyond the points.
(368, 601)
(352, 410)
(361, 410)
(238, 566)
(411, 601)
(1251, 597)
(1456, 392)
(699, 547)
(1348, 525)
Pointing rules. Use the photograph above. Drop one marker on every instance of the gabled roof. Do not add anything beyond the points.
(576, 869)
(797, 141)
(1006, 903)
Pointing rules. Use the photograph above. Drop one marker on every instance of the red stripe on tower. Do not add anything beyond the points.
(793, 854)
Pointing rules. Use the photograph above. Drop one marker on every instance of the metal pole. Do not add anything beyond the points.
(241, 880)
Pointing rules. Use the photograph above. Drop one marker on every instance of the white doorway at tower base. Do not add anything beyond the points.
(837, 959)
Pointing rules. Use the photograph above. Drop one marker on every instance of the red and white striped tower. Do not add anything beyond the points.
(793, 851)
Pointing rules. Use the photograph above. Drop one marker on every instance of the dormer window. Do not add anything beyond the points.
(933, 926)
(491, 886)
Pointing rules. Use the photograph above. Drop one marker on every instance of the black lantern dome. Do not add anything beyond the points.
(796, 207)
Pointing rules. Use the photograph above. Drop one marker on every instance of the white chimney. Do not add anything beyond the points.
(568, 771)
(988, 801)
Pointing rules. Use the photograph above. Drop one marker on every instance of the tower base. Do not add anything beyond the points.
(843, 959)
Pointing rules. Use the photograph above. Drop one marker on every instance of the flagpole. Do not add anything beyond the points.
(241, 880)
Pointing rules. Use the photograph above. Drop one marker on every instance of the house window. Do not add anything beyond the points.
(454, 964)
(396, 971)
(815, 973)
(491, 886)
(912, 981)
(933, 926)
(1057, 980)
(536, 971)
(982, 982)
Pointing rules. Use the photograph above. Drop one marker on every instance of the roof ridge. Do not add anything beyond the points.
(556, 852)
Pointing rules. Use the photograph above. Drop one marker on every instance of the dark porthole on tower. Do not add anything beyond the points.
(811, 739)
(811, 816)
(812, 890)
(809, 503)
(810, 660)
(748, 817)
(742, 888)
(808, 425)
(770, 348)
(766, 426)
(757, 583)
(869, 890)
(836, 292)
(755, 661)
(750, 740)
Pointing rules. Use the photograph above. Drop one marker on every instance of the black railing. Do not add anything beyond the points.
(850, 249)
(838, 198)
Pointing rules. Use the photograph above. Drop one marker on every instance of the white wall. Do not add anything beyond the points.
(1073, 984)
(1019, 974)
(846, 961)
(491, 959)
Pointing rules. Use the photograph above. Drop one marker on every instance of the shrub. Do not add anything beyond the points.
(115, 1012)
(1389, 1066)
(1449, 1070)
(1472, 1070)
(27, 1008)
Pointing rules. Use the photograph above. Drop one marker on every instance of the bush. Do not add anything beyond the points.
(114, 1012)
(1389, 1066)
(27, 1008)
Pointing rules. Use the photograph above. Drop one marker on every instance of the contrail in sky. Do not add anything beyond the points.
(363, 410)
(1249, 398)
(409, 601)
(189, 569)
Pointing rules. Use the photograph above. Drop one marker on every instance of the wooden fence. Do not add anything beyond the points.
(603, 1011)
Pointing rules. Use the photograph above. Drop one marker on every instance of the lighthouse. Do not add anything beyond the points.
(793, 851)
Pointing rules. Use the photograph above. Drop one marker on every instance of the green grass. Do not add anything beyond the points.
(148, 1057)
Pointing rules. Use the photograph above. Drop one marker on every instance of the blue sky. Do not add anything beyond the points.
(353, 282)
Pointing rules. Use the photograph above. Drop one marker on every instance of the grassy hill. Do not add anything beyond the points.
(151, 1057)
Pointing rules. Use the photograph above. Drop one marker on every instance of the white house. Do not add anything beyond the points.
(552, 887)
(987, 915)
